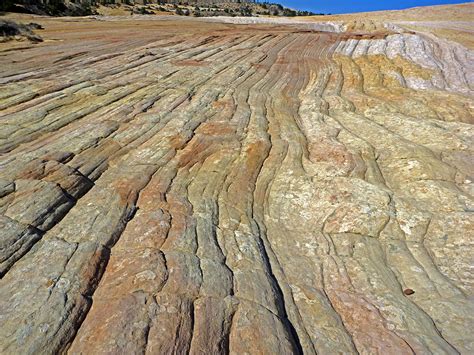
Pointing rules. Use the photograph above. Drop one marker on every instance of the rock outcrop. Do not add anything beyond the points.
(216, 188)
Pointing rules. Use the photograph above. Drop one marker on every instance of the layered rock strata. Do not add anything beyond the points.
(215, 188)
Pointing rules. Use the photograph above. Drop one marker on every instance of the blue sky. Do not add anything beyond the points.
(346, 6)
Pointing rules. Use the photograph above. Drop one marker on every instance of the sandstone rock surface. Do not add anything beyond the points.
(173, 186)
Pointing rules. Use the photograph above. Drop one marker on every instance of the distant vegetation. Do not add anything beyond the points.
(195, 8)
(11, 30)
(49, 7)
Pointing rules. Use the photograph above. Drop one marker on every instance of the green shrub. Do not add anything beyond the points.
(5, 5)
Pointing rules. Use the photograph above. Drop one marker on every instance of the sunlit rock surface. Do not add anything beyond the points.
(175, 185)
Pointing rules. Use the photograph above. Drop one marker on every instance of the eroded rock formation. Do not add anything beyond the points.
(215, 188)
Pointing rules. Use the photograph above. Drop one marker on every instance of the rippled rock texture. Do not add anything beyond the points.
(181, 186)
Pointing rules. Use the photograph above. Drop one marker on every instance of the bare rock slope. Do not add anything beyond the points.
(172, 186)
